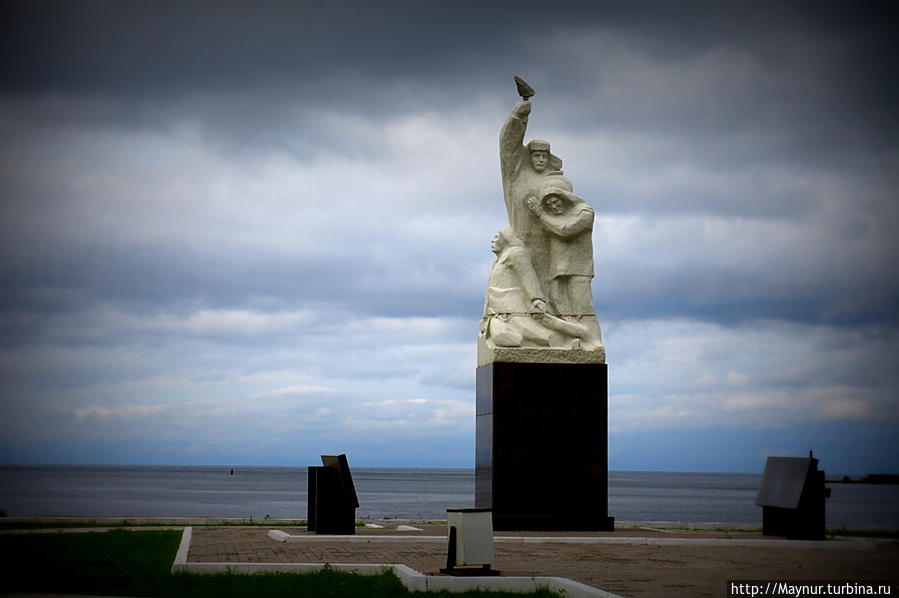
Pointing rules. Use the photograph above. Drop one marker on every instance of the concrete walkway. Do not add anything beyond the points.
(640, 562)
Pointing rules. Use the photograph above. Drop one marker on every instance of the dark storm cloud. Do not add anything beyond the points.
(779, 87)
(216, 200)
(154, 49)
(163, 48)
(801, 82)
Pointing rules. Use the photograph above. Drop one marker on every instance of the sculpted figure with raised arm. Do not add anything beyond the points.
(550, 229)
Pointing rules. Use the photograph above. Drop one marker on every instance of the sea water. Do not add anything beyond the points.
(280, 492)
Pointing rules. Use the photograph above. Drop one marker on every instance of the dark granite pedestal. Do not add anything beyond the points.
(542, 448)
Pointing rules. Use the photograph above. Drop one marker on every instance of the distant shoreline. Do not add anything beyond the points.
(873, 478)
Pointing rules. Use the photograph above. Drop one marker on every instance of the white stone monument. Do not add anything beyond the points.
(539, 304)
(541, 417)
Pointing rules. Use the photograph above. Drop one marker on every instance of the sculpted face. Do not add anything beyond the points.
(496, 245)
(539, 159)
(555, 204)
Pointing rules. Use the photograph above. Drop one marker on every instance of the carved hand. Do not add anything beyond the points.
(539, 305)
(534, 205)
(521, 109)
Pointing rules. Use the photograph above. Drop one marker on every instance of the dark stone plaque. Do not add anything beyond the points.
(331, 497)
(792, 497)
(541, 458)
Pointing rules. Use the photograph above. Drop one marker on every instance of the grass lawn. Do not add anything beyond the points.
(126, 563)
(10, 524)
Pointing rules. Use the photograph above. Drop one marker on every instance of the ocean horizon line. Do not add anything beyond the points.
(280, 491)
(352, 466)
(24, 465)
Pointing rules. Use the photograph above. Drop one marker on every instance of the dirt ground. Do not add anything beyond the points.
(632, 571)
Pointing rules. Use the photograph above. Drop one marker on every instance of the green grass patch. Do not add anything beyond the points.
(114, 562)
(137, 563)
(326, 583)
(89, 523)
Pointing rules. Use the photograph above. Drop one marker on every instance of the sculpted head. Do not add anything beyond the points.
(554, 203)
(504, 239)
(539, 159)
(557, 199)
(539, 151)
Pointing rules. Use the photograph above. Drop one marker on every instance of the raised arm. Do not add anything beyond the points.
(511, 140)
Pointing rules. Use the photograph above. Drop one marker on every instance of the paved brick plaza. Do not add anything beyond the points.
(632, 571)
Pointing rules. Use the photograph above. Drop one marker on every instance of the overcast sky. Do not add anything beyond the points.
(252, 233)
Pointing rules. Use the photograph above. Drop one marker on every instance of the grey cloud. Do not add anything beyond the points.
(731, 295)
(160, 48)
(162, 161)
(770, 82)
(157, 49)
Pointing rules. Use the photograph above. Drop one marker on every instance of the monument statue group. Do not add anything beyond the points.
(541, 379)
(539, 291)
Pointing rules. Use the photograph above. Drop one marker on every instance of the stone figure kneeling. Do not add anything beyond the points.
(515, 307)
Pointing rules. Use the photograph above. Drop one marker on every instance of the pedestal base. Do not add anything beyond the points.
(542, 456)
